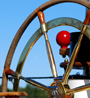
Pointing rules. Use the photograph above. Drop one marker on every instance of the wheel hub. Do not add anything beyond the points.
(60, 90)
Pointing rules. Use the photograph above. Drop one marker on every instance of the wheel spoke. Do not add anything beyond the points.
(48, 46)
(30, 81)
(77, 47)
(35, 83)
(51, 59)
(79, 89)
(72, 59)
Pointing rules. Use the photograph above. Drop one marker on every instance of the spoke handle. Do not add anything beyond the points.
(41, 17)
(12, 73)
(87, 19)
(9, 71)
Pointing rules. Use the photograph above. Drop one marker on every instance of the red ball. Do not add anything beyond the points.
(63, 39)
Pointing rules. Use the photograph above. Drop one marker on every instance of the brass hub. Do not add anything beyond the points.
(60, 90)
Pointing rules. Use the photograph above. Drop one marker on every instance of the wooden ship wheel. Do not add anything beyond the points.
(59, 88)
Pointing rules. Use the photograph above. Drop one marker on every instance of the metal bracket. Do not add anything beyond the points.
(43, 27)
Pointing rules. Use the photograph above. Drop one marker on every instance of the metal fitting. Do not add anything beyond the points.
(43, 28)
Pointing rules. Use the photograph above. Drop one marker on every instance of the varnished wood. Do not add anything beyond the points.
(13, 94)
(9, 71)
(41, 17)
(64, 51)
(87, 19)
(76, 64)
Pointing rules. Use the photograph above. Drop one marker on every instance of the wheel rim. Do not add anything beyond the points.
(22, 29)
(51, 24)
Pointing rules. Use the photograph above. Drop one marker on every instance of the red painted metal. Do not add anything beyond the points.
(63, 39)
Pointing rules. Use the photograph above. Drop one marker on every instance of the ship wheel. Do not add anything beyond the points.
(59, 88)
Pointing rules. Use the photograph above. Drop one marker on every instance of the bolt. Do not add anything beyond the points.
(66, 60)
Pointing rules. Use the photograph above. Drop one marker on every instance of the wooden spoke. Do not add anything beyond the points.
(30, 81)
(79, 89)
(77, 47)
(48, 46)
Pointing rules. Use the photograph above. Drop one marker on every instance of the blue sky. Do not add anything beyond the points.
(13, 14)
